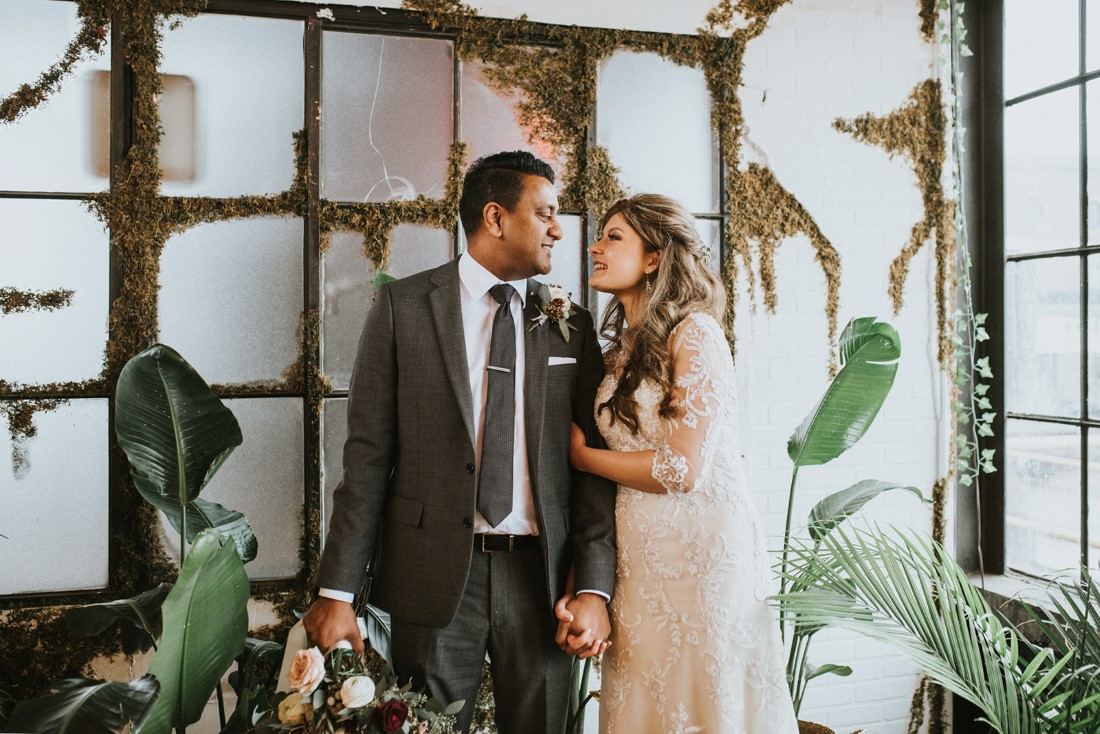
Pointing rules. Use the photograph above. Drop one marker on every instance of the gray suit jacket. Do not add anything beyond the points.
(409, 488)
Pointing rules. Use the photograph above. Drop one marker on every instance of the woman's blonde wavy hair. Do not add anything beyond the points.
(681, 285)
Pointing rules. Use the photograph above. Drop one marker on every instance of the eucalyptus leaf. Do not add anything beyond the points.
(379, 631)
(839, 506)
(139, 617)
(869, 353)
(82, 706)
(205, 623)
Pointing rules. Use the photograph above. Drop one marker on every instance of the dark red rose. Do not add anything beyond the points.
(391, 716)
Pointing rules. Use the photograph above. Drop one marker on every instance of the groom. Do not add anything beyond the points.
(457, 487)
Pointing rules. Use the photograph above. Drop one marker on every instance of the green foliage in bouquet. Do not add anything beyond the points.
(337, 691)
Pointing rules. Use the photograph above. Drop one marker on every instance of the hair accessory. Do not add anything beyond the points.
(702, 254)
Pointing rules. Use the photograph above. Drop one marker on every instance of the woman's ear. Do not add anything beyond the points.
(653, 259)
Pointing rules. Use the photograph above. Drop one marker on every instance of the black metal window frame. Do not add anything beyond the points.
(367, 20)
(984, 113)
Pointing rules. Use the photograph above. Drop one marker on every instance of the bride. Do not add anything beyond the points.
(693, 646)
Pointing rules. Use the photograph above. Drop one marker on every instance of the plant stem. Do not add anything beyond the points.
(183, 534)
(786, 549)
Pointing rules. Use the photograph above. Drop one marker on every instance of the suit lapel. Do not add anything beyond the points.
(446, 308)
(537, 348)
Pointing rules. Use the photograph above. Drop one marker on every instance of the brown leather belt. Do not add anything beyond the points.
(486, 543)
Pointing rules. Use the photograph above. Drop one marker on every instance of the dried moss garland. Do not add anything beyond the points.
(17, 301)
(918, 132)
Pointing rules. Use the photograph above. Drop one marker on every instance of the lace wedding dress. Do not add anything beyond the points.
(694, 646)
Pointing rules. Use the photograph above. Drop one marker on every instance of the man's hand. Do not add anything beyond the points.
(329, 621)
(583, 625)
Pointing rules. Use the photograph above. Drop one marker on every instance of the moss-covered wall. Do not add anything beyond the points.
(521, 58)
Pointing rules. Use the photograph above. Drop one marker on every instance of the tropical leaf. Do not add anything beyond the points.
(139, 617)
(869, 353)
(838, 507)
(205, 623)
(906, 592)
(829, 669)
(254, 681)
(176, 434)
(82, 706)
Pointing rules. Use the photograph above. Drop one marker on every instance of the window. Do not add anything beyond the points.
(239, 81)
(1051, 282)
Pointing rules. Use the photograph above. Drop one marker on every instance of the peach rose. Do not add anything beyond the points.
(307, 670)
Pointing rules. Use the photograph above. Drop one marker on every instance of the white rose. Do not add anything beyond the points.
(357, 691)
(295, 709)
(307, 670)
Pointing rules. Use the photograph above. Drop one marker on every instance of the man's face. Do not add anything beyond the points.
(530, 231)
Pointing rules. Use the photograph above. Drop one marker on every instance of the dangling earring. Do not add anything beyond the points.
(648, 285)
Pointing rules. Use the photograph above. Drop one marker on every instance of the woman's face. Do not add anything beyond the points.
(619, 259)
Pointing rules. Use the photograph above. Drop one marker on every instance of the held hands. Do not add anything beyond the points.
(329, 621)
(583, 625)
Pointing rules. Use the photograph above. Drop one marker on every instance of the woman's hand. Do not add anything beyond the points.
(578, 448)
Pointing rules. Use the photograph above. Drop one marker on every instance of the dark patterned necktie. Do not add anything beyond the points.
(494, 489)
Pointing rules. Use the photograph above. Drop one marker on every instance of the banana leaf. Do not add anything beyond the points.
(205, 624)
(176, 434)
(838, 507)
(139, 617)
(82, 706)
(869, 353)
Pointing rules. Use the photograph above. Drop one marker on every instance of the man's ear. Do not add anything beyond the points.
(491, 215)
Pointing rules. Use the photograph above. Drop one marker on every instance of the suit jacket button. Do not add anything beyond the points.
(469, 468)
(467, 522)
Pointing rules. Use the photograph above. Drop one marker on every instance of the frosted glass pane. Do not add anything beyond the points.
(240, 81)
(44, 246)
(1042, 497)
(1042, 173)
(387, 115)
(55, 506)
(489, 122)
(654, 120)
(1043, 337)
(231, 298)
(1094, 498)
(1040, 44)
(568, 257)
(334, 420)
(348, 291)
(50, 148)
(264, 479)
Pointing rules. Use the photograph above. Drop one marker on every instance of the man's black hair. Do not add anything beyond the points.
(497, 177)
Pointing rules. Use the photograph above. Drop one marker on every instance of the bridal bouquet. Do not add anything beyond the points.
(336, 695)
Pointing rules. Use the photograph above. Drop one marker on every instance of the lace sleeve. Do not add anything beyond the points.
(702, 369)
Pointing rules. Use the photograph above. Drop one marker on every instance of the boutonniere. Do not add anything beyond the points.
(554, 307)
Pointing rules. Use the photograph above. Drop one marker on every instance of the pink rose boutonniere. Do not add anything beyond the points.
(554, 307)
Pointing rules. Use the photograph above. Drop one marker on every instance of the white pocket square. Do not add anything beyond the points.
(561, 360)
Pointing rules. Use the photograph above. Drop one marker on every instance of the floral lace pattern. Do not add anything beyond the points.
(694, 645)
